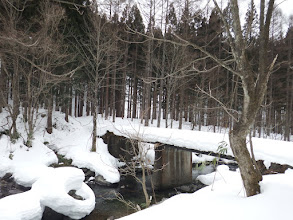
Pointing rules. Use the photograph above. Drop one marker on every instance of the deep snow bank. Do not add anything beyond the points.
(224, 200)
(73, 140)
(50, 190)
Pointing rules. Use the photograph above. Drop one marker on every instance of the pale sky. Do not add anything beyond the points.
(286, 6)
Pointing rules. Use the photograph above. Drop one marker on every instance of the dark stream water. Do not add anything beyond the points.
(108, 206)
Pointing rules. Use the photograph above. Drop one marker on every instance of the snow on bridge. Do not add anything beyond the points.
(270, 151)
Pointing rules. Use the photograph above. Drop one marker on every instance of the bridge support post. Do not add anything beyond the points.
(173, 167)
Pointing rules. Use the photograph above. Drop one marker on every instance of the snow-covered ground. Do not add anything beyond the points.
(29, 167)
(224, 199)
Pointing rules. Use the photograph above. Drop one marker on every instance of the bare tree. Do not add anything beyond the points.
(96, 51)
(254, 84)
(31, 52)
(139, 157)
(254, 87)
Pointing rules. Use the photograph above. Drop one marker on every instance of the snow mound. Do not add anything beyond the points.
(73, 140)
(222, 173)
(22, 206)
(5, 165)
(51, 190)
(29, 164)
(101, 162)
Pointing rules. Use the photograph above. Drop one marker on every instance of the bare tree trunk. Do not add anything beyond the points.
(147, 88)
(50, 110)
(160, 103)
(289, 93)
(162, 68)
(129, 101)
(88, 100)
(253, 90)
(181, 106)
(114, 87)
(94, 132)
(107, 87)
(135, 85)
(123, 95)
(134, 92)
(3, 86)
(76, 103)
(81, 102)
(15, 98)
(173, 109)
(70, 99)
(167, 107)
(154, 112)
(249, 173)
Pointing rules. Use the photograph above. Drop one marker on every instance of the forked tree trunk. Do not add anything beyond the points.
(249, 174)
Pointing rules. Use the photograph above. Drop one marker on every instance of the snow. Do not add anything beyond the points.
(73, 140)
(22, 206)
(29, 164)
(224, 200)
(5, 165)
(50, 187)
(51, 190)
(201, 158)
(264, 149)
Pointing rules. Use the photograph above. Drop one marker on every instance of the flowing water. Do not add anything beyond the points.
(108, 206)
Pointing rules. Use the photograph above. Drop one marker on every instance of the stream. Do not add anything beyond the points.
(108, 206)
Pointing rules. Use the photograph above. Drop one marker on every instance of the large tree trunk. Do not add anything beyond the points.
(250, 175)
(254, 90)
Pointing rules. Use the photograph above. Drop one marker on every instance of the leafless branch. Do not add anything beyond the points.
(226, 109)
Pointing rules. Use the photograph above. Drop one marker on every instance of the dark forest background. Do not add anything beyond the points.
(70, 56)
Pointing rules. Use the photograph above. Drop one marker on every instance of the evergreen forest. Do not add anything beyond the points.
(85, 58)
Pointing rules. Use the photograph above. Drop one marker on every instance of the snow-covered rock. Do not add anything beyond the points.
(51, 190)
(22, 206)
